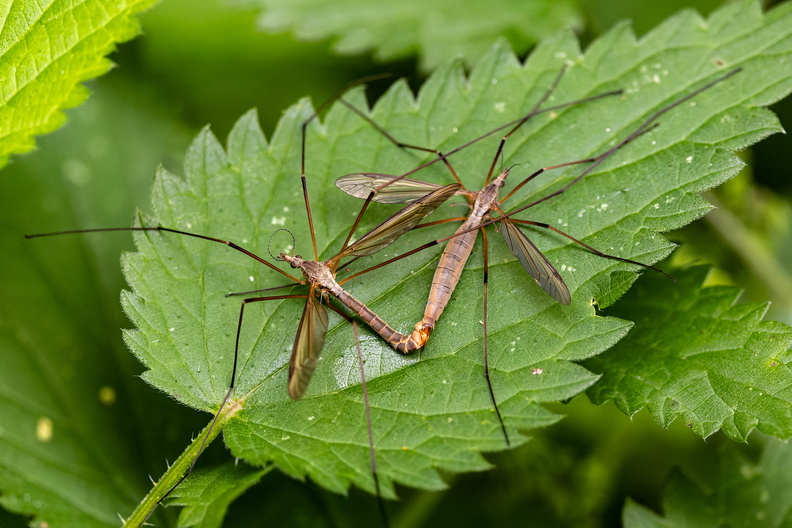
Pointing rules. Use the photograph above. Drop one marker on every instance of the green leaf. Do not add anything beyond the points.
(432, 411)
(48, 49)
(207, 494)
(738, 493)
(396, 30)
(65, 369)
(698, 355)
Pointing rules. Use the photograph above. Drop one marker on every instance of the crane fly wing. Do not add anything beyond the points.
(398, 224)
(534, 262)
(307, 346)
(360, 185)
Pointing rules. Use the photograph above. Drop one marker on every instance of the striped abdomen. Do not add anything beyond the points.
(402, 343)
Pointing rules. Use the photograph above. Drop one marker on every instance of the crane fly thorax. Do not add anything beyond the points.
(320, 274)
(317, 273)
(487, 198)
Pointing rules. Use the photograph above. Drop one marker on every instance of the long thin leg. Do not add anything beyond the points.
(501, 128)
(399, 257)
(305, 193)
(251, 292)
(357, 221)
(542, 170)
(595, 251)
(169, 230)
(645, 127)
(534, 111)
(488, 222)
(401, 144)
(367, 409)
(486, 337)
(305, 187)
(394, 259)
(515, 125)
(443, 221)
(303, 130)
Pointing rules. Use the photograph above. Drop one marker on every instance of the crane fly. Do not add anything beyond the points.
(387, 188)
(319, 276)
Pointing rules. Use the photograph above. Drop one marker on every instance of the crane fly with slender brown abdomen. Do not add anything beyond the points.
(386, 188)
(320, 277)
(313, 325)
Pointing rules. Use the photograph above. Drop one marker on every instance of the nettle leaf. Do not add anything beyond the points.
(431, 411)
(207, 494)
(48, 49)
(739, 492)
(698, 355)
(436, 34)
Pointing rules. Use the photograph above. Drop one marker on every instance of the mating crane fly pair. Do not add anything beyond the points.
(422, 199)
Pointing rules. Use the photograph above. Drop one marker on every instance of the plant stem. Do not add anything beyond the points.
(176, 472)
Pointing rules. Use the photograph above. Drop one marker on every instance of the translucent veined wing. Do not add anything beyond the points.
(307, 345)
(398, 224)
(360, 185)
(535, 262)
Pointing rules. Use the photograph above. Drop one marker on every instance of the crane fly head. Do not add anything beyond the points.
(501, 179)
(295, 261)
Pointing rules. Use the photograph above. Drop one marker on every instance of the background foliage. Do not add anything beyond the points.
(207, 63)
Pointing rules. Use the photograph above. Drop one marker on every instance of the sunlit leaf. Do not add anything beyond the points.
(48, 49)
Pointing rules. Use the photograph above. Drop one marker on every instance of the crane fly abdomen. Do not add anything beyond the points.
(449, 270)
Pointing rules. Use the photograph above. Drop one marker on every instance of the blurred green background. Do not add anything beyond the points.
(200, 63)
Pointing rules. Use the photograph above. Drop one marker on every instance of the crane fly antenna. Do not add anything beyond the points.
(269, 250)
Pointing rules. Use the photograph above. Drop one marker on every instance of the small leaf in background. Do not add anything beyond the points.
(207, 494)
(435, 32)
(48, 49)
(739, 492)
(697, 354)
